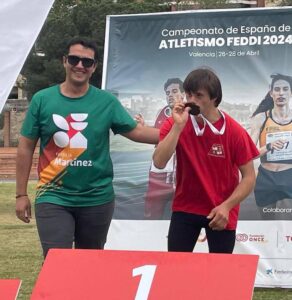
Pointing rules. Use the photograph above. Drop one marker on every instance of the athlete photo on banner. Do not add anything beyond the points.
(246, 57)
(271, 128)
(250, 51)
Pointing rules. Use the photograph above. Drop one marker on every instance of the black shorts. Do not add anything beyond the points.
(185, 229)
(272, 186)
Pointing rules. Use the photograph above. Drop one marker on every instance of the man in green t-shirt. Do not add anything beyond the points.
(75, 197)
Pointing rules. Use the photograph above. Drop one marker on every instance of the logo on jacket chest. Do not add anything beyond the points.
(217, 150)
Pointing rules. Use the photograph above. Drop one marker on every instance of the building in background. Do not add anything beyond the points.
(13, 114)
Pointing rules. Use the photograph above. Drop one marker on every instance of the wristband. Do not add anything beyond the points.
(23, 195)
(269, 147)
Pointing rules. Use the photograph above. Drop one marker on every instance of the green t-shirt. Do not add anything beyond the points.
(75, 168)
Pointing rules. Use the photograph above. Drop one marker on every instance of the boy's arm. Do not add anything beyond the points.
(220, 214)
(167, 146)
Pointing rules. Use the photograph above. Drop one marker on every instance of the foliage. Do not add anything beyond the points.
(207, 4)
(285, 3)
(69, 18)
(87, 18)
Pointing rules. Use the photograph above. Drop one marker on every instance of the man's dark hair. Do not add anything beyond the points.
(268, 103)
(206, 79)
(174, 81)
(86, 43)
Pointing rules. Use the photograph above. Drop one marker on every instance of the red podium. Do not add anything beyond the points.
(145, 275)
(9, 288)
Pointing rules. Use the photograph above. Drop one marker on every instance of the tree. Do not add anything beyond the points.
(285, 3)
(69, 18)
(87, 18)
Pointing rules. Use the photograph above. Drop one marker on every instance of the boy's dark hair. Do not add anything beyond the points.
(206, 79)
(174, 81)
(85, 43)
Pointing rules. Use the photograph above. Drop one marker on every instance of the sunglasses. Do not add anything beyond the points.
(86, 62)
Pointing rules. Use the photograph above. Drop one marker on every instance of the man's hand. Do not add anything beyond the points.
(219, 217)
(139, 119)
(23, 209)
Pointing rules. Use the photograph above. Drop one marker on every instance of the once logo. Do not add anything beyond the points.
(72, 136)
(241, 237)
(256, 238)
(269, 271)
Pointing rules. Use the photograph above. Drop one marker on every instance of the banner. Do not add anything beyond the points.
(21, 22)
(250, 51)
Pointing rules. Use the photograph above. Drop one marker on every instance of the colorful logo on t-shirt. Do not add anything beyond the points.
(64, 148)
(217, 150)
(71, 136)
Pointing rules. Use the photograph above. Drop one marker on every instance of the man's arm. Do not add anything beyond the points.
(167, 146)
(143, 134)
(220, 214)
(25, 152)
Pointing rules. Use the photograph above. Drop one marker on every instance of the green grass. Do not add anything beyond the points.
(20, 251)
